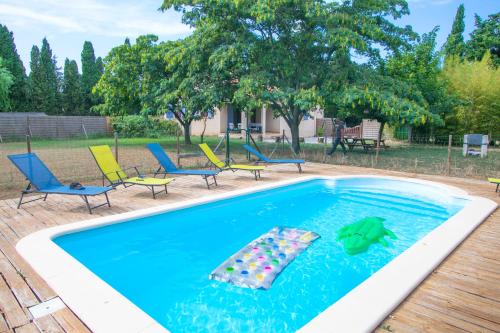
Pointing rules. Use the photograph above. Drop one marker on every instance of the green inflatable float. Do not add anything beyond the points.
(358, 236)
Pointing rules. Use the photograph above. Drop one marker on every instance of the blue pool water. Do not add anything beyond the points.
(161, 263)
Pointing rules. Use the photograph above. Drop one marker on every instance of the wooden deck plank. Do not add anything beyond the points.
(28, 328)
(48, 324)
(17, 285)
(462, 295)
(10, 308)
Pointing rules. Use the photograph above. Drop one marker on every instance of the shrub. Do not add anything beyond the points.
(140, 126)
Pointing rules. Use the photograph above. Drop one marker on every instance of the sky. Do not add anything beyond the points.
(106, 23)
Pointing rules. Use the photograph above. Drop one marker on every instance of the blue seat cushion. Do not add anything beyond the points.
(65, 189)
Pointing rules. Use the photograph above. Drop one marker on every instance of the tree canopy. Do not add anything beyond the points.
(6, 81)
(44, 80)
(72, 97)
(477, 84)
(485, 36)
(288, 54)
(91, 72)
(18, 94)
(455, 45)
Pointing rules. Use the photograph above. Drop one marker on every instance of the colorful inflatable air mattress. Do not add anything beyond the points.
(259, 263)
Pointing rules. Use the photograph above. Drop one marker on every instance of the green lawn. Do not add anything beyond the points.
(70, 159)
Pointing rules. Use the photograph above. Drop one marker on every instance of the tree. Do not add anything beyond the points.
(477, 84)
(44, 83)
(72, 97)
(91, 72)
(18, 94)
(484, 38)
(285, 53)
(189, 87)
(125, 86)
(6, 81)
(420, 70)
(455, 45)
(35, 79)
(100, 66)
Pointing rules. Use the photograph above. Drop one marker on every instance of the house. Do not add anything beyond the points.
(261, 122)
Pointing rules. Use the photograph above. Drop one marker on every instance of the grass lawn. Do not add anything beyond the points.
(71, 161)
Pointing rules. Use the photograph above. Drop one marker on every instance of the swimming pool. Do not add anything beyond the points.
(157, 262)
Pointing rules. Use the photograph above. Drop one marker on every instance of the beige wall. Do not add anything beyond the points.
(307, 128)
(272, 124)
(217, 125)
(213, 125)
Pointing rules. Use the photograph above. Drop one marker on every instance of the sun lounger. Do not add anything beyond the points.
(254, 169)
(265, 159)
(495, 181)
(169, 167)
(42, 180)
(112, 171)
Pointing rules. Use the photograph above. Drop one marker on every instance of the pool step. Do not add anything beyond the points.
(404, 207)
(414, 202)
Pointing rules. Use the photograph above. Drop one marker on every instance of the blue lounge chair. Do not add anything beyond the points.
(169, 167)
(41, 180)
(265, 159)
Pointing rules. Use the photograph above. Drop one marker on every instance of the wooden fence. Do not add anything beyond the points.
(16, 126)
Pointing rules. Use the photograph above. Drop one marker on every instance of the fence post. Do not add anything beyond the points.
(178, 134)
(116, 146)
(84, 130)
(28, 143)
(377, 149)
(283, 142)
(228, 152)
(448, 163)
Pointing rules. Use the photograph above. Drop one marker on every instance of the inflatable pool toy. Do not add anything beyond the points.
(259, 263)
(358, 236)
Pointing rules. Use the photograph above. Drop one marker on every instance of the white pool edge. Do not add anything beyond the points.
(103, 309)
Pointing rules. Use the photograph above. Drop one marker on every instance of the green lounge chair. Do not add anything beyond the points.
(254, 169)
(495, 181)
(112, 171)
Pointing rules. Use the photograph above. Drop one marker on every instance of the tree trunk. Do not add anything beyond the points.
(187, 133)
(294, 129)
(204, 128)
(381, 130)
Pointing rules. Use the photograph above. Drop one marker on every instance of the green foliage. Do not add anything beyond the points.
(455, 45)
(91, 72)
(6, 81)
(43, 80)
(478, 86)
(141, 126)
(285, 53)
(483, 38)
(190, 86)
(72, 97)
(129, 72)
(420, 69)
(18, 94)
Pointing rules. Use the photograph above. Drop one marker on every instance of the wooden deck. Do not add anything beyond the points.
(462, 295)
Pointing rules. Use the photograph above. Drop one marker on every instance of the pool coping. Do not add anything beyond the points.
(103, 309)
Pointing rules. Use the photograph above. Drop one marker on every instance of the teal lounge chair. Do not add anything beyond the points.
(41, 180)
(169, 167)
(265, 159)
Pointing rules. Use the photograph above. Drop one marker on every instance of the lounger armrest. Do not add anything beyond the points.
(136, 168)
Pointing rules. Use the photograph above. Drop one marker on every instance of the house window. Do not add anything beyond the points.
(210, 114)
(169, 115)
